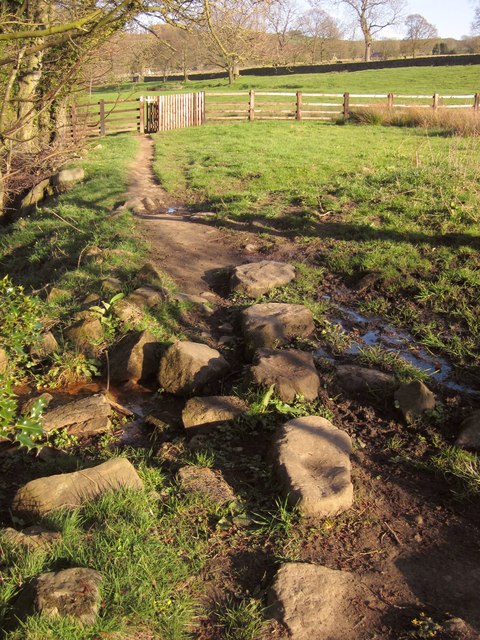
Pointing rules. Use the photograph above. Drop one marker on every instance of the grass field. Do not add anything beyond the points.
(409, 80)
(399, 203)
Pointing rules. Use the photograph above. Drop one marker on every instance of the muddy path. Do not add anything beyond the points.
(190, 252)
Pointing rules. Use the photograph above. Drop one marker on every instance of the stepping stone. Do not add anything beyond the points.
(316, 603)
(257, 278)
(313, 465)
(146, 296)
(135, 357)
(207, 482)
(70, 490)
(275, 323)
(361, 380)
(413, 399)
(212, 410)
(72, 592)
(188, 367)
(86, 417)
(469, 437)
(292, 373)
(32, 538)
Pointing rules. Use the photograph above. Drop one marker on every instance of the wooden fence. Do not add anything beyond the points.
(265, 105)
(148, 114)
(165, 112)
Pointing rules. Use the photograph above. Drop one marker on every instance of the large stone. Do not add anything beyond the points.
(413, 399)
(469, 437)
(315, 602)
(292, 373)
(71, 592)
(207, 482)
(86, 334)
(275, 323)
(86, 417)
(67, 178)
(32, 538)
(313, 465)
(135, 357)
(361, 380)
(70, 490)
(258, 278)
(212, 410)
(38, 193)
(188, 367)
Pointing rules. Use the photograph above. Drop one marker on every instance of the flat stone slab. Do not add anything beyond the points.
(188, 367)
(32, 538)
(413, 399)
(312, 459)
(212, 410)
(362, 380)
(208, 482)
(275, 323)
(256, 278)
(72, 592)
(469, 436)
(135, 357)
(86, 417)
(292, 372)
(70, 490)
(314, 602)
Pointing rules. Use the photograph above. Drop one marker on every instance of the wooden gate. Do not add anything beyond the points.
(163, 113)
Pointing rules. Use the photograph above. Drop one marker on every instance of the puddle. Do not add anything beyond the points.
(373, 331)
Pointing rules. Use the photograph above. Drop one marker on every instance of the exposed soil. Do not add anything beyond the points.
(415, 546)
(190, 252)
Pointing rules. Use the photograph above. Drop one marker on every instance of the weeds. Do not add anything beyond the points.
(391, 361)
(240, 619)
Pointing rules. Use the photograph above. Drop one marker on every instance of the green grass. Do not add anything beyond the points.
(51, 247)
(134, 540)
(403, 203)
(409, 80)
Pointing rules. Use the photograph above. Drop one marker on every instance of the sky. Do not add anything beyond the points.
(451, 17)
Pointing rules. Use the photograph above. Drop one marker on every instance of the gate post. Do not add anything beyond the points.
(390, 101)
(346, 105)
(436, 99)
(251, 105)
(298, 114)
(102, 117)
(476, 102)
(141, 113)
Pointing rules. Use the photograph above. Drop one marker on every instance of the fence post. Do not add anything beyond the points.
(346, 105)
(436, 100)
(73, 121)
(159, 123)
(141, 113)
(203, 118)
(251, 105)
(390, 101)
(102, 117)
(298, 113)
(476, 102)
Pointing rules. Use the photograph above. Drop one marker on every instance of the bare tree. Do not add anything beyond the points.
(320, 28)
(282, 19)
(476, 21)
(418, 29)
(235, 33)
(373, 16)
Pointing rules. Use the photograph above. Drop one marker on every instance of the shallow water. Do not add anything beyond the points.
(373, 331)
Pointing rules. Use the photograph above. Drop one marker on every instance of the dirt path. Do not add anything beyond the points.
(190, 252)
